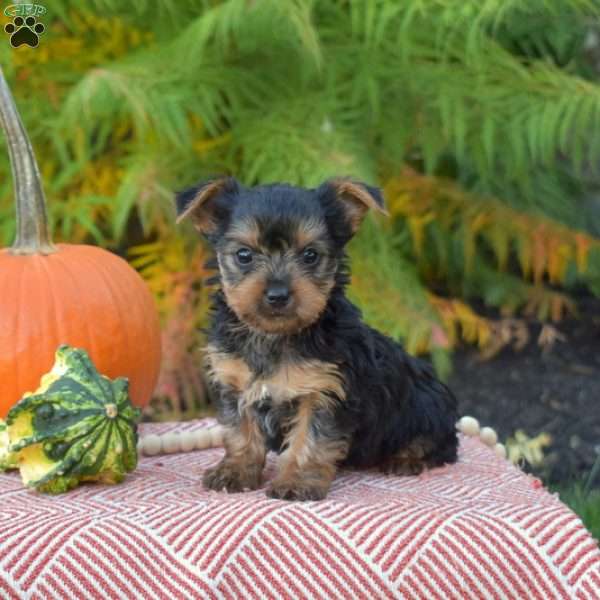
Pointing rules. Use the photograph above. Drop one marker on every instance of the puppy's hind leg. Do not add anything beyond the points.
(419, 454)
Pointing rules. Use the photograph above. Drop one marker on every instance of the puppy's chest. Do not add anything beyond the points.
(287, 378)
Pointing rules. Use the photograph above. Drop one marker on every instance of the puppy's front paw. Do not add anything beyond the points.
(296, 490)
(231, 477)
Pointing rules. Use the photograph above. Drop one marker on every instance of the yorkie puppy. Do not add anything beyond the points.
(294, 368)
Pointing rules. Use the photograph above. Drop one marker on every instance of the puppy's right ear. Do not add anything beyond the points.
(206, 204)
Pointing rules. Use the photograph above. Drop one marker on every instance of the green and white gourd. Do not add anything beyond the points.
(8, 460)
(77, 426)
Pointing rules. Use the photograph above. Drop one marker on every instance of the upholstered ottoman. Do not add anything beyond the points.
(477, 529)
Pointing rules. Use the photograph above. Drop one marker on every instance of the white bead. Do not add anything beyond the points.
(202, 437)
(500, 450)
(488, 436)
(468, 426)
(151, 444)
(188, 441)
(171, 442)
(216, 436)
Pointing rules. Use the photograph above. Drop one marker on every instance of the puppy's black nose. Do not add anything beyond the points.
(278, 294)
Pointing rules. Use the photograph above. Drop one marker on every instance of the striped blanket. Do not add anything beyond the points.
(478, 529)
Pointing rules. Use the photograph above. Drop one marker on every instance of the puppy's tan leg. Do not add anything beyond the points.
(244, 460)
(308, 464)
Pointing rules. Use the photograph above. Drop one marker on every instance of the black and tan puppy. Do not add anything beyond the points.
(295, 369)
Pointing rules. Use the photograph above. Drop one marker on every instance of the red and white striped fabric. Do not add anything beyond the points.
(479, 529)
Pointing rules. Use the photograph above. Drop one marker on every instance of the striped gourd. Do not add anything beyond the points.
(77, 426)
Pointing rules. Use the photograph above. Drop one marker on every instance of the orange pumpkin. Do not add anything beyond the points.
(65, 294)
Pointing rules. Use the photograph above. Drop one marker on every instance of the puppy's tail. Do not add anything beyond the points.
(180, 441)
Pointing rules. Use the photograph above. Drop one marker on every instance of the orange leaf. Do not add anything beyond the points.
(582, 247)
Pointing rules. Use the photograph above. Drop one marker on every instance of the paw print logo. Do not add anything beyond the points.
(24, 31)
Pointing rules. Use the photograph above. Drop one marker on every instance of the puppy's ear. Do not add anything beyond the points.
(206, 203)
(356, 199)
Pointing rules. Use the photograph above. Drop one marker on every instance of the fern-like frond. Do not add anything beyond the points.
(242, 24)
(543, 248)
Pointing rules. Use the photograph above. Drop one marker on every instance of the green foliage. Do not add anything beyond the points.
(583, 497)
(483, 248)
(586, 505)
(478, 117)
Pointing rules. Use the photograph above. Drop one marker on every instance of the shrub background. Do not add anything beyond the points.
(479, 118)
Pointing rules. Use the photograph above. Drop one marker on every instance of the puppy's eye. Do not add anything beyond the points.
(310, 256)
(244, 256)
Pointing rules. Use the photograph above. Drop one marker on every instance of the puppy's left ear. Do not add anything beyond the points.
(206, 203)
(356, 199)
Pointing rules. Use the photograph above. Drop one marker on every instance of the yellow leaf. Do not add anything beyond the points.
(417, 228)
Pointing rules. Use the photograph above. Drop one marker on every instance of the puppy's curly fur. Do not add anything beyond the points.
(294, 368)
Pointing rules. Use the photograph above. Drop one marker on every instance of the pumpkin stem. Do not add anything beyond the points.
(33, 236)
